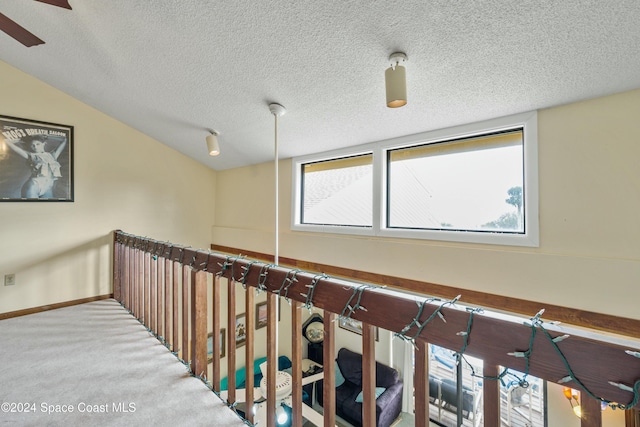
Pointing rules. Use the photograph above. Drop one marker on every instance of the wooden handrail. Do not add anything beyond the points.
(595, 358)
(577, 317)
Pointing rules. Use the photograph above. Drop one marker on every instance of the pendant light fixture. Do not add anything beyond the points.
(212, 143)
(395, 78)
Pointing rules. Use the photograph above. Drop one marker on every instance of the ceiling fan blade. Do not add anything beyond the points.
(18, 32)
(60, 3)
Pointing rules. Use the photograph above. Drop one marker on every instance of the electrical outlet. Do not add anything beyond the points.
(9, 279)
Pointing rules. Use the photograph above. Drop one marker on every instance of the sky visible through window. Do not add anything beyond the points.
(463, 190)
(341, 196)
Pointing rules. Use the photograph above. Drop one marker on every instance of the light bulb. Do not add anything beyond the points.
(281, 415)
(578, 411)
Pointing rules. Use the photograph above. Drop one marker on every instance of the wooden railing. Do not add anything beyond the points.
(151, 278)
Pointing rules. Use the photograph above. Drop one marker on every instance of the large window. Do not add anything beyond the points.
(469, 184)
(475, 183)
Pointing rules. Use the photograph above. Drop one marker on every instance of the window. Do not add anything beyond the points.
(475, 183)
(469, 184)
(338, 192)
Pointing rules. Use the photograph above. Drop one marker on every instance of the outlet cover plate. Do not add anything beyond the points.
(9, 279)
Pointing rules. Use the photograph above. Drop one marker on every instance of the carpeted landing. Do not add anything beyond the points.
(94, 364)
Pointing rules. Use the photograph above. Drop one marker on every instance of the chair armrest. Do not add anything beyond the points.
(390, 394)
(389, 404)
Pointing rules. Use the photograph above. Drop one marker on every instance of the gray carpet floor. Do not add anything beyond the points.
(94, 364)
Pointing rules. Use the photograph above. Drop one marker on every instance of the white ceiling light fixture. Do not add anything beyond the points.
(212, 143)
(395, 78)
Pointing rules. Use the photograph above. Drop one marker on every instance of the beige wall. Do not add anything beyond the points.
(588, 258)
(123, 179)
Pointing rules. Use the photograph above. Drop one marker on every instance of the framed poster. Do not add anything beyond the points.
(223, 334)
(261, 315)
(36, 161)
(241, 330)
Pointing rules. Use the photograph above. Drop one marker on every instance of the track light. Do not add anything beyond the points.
(212, 143)
(395, 78)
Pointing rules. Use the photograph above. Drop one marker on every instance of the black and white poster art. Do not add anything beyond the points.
(36, 161)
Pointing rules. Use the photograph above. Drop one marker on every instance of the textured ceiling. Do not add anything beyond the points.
(173, 69)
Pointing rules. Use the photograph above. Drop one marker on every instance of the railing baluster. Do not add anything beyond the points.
(140, 284)
(175, 319)
(199, 322)
(491, 396)
(125, 277)
(368, 375)
(591, 412)
(153, 294)
(185, 313)
(160, 296)
(329, 387)
(231, 339)
(272, 357)
(117, 269)
(215, 327)
(147, 288)
(421, 383)
(167, 300)
(296, 356)
(249, 351)
(134, 283)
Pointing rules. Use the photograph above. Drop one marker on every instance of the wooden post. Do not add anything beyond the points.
(421, 383)
(167, 299)
(185, 313)
(272, 357)
(132, 281)
(117, 268)
(125, 277)
(159, 297)
(250, 312)
(368, 375)
(199, 323)
(491, 395)
(329, 355)
(140, 267)
(147, 288)
(231, 340)
(215, 327)
(153, 319)
(175, 317)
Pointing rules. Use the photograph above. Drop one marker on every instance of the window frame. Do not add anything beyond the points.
(528, 122)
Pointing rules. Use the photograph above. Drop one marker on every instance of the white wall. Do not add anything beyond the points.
(123, 180)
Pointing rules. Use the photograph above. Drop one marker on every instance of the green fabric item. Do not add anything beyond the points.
(241, 374)
(339, 377)
(379, 391)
